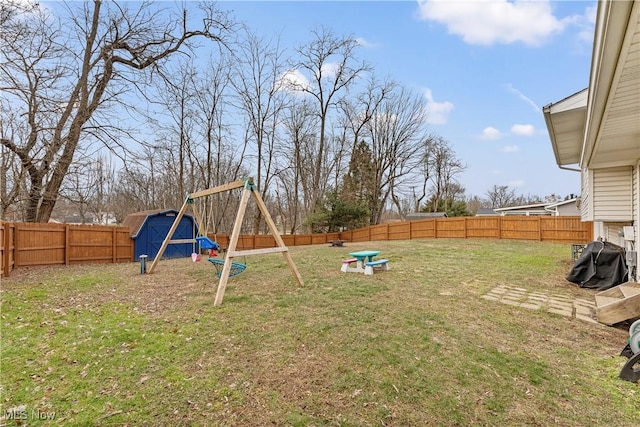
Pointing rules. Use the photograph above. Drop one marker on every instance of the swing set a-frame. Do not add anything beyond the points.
(249, 189)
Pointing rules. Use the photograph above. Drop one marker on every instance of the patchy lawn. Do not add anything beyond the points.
(417, 345)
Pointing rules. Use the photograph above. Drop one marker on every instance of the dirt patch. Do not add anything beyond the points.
(173, 284)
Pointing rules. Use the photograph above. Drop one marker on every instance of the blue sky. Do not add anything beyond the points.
(487, 67)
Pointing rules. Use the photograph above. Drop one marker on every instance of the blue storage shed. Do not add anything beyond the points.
(148, 229)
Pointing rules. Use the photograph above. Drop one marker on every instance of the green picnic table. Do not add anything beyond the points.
(364, 262)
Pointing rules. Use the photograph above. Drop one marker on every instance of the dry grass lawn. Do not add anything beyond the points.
(417, 345)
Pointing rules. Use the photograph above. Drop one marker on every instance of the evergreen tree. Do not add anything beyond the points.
(336, 214)
(358, 188)
(450, 206)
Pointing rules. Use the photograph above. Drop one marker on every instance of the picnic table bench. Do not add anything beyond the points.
(382, 264)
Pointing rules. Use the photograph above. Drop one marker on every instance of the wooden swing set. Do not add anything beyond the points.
(248, 189)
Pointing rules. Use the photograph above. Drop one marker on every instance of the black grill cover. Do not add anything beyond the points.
(601, 266)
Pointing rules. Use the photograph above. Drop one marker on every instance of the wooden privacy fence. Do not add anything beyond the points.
(30, 244)
(25, 244)
(568, 229)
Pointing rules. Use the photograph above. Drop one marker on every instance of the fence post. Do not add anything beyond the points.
(66, 244)
(540, 229)
(114, 238)
(6, 261)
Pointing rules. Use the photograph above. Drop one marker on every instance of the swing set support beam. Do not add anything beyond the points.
(219, 189)
(248, 191)
(257, 251)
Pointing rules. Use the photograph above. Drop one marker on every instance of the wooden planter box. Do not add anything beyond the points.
(619, 303)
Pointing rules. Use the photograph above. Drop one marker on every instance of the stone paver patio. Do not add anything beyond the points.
(577, 308)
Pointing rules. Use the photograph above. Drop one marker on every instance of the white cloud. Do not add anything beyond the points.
(586, 25)
(495, 21)
(330, 69)
(510, 149)
(293, 79)
(438, 112)
(523, 130)
(590, 14)
(491, 133)
(364, 42)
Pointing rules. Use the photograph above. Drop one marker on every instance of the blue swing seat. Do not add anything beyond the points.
(207, 243)
(236, 267)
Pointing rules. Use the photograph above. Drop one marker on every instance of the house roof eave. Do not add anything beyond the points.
(565, 122)
(617, 22)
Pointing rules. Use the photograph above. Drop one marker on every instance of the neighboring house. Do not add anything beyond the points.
(568, 207)
(425, 215)
(596, 131)
(101, 219)
(77, 219)
(528, 210)
(564, 208)
(106, 218)
(486, 212)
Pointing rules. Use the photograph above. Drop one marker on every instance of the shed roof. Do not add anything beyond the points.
(136, 220)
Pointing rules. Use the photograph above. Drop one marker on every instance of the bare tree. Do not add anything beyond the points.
(88, 186)
(500, 196)
(131, 193)
(331, 64)
(61, 75)
(217, 157)
(174, 121)
(475, 203)
(219, 160)
(262, 100)
(76, 189)
(295, 183)
(357, 112)
(397, 135)
(192, 149)
(446, 167)
(12, 172)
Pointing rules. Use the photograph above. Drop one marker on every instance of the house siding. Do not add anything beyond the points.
(635, 203)
(612, 232)
(636, 219)
(613, 194)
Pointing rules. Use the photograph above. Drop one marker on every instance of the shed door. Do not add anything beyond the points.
(158, 229)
